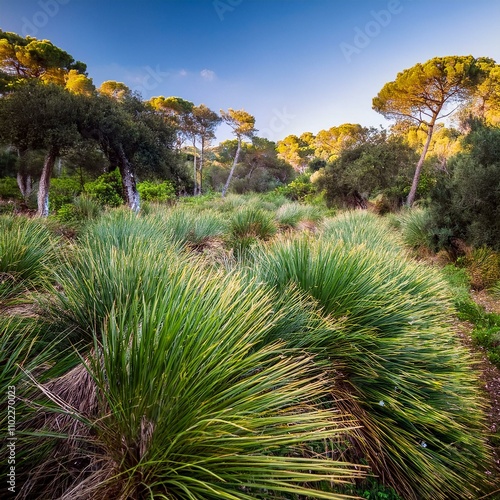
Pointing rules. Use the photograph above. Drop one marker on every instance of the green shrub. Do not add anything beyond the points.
(106, 189)
(361, 228)
(195, 229)
(9, 190)
(298, 189)
(63, 191)
(465, 201)
(158, 192)
(488, 337)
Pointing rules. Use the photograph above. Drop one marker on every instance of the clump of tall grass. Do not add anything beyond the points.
(83, 209)
(289, 215)
(483, 267)
(195, 229)
(360, 228)
(26, 250)
(416, 226)
(407, 379)
(248, 225)
(187, 403)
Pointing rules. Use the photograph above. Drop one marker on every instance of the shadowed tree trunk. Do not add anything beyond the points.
(43, 188)
(23, 177)
(128, 182)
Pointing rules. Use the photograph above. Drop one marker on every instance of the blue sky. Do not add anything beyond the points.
(296, 65)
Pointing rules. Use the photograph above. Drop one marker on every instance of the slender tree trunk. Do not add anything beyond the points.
(418, 170)
(128, 182)
(235, 162)
(200, 168)
(195, 171)
(43, 188)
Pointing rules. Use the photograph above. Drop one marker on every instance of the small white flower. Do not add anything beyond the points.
(381, 403)
(423, 444)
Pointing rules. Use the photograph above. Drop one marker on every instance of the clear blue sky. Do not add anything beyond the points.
(296, 65)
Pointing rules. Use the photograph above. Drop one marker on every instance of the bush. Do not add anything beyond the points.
(298, 189)
(63, 190)
(466, 201)
(195, 229)
(290, 214)
(9, 190)
(158, 192)
(106, 189)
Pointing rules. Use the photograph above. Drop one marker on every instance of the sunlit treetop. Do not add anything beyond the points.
(242, 122)
(115, 90)
(421, 92)
(26, 58)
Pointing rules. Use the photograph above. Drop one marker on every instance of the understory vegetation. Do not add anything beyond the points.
(241, 347)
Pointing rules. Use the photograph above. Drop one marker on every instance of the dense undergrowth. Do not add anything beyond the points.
(237, 348)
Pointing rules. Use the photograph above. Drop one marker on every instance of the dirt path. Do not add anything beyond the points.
(490, 381)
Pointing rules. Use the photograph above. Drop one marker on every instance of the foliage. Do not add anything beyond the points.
(289, 215)
(465, 201)
(159, 192)
(193, 228)
(420, 95)
(356, 228)
(106, 189)
(299, 189)
(297, 151)
(380, 165)
(487, 335)
(405, 377)
(27, 58)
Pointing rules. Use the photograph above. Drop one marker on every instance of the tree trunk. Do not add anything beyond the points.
(418, 170)
(235, 162)
(195, 171)
(200, 168)
(23, 177)
(43, 188)
(128, 182)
